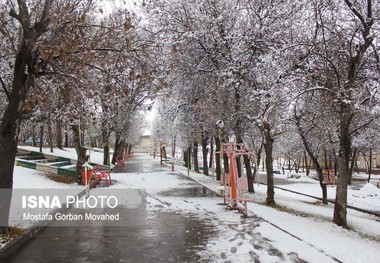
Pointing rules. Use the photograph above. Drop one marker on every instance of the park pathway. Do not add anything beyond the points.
(143, 237)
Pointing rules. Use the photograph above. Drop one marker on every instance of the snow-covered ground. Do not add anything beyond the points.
(310, 223)
(304, 232)
(95, 156)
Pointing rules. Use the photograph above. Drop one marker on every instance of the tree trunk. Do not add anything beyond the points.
(33, 132)
(335, 164)
(238, 166)
(370, 164)
(195, 157)
(127, 148)
(352, 164)
(346, 111)
(340, 207)
(59, 132)
(306, 165)
(326, 167)
(297, 165)
(330, 161)
(204, 155)
(81, 152)
(164, 154)
(218, 166)
(25, 69)
(187, 158)
(82, 137)
(226, 164)
(106, 148)
(268, 146)
(8, 148)
(248, 170)
(239, 139)
(173, 148)
(41, 136)
(247, 164)
(303, 163)
(117, 149)
(211, 154)
(259, 157)
(106, 155)
(66, 139)
(50, 132)
(5, 204)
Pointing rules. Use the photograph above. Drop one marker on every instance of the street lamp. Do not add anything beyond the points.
(220, 124)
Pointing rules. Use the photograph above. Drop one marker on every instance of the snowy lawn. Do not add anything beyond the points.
(304, 231)
(95, 156)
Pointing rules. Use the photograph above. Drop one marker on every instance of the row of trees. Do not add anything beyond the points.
(270, 69)
(277, 72)
(68, 65)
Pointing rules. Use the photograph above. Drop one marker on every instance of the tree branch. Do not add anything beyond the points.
(364, 124)
(42, 24)
(5, 88)
(23, 15)
(356, 12)
(45, 12)
(313, 89)
(369, 8)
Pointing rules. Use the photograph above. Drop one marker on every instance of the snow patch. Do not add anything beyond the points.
(368, 190)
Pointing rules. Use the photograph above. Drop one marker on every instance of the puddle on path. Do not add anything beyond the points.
(189, 192)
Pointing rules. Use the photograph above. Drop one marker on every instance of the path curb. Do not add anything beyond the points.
(19, 242)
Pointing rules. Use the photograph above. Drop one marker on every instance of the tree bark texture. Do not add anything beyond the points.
(187, 157)
(204, 156)
(59, 127)
(340, 207)
(306, 164)
(81, 152)
(217, 159)
(106, 149)
(41, 144)
(50, 133)
(10, 125)
(370, 165)
(248, 170)
(66, 139)
(211, 154)
(352, 164)
(118, 148)
(195, 157)
(268, 147)
(258, 157)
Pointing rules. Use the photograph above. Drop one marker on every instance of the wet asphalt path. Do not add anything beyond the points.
(145, 237)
